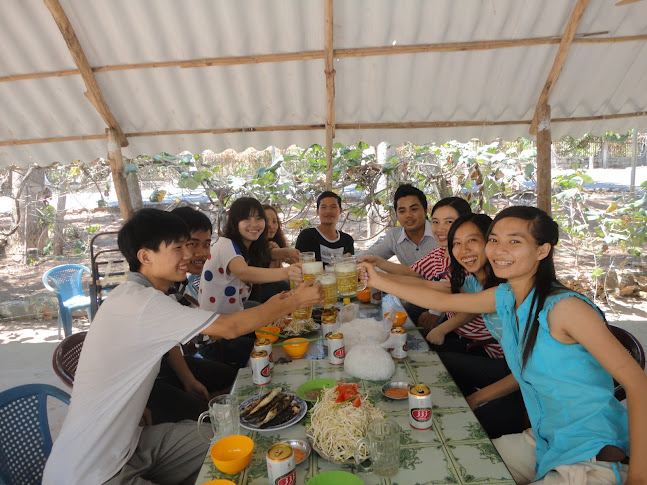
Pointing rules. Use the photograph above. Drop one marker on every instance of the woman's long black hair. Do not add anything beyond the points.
(241, 209)
(279, 237)
(456, 270)
(544, 230)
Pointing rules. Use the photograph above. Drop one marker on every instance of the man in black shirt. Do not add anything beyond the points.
(325, 240)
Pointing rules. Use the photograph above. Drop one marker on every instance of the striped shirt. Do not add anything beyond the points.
(434, 267)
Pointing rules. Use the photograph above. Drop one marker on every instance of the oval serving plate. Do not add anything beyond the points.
(302, 445)
(287, 424)
(312, 385)
(399, 384)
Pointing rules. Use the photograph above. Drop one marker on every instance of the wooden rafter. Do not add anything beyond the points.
(330, 88)
(560, 59)
(337, 53)
(93, 93)
(321, 126)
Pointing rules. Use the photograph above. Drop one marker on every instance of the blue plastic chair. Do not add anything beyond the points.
(25, 439)
(65, 282)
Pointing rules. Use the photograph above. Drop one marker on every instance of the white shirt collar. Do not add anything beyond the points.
(403, 233)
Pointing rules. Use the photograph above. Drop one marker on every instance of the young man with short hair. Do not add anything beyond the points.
(413, 239)
(325, 240)
(186, 383)
(102, 440)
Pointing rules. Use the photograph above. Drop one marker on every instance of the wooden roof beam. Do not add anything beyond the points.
(589, 38)
(408, 125)
(560, 59)
(93, 93)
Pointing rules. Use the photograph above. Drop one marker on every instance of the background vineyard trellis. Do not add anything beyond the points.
(489, 175)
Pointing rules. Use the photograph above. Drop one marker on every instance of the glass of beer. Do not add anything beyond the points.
(310, 270)
(328, 282)
(347, 277)
(304, 257)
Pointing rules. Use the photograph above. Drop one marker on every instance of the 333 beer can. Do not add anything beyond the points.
(259, 361)
(420, 416)
(399, 350)
(280, 465)
(336, 349)
(266, 345)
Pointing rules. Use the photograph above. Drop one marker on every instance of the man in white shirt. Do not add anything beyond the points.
(106, 437)
(413, 239)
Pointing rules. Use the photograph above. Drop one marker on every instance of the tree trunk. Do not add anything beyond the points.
(58, 224)
(30, 199)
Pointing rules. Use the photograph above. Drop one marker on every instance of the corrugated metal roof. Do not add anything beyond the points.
(495, 85)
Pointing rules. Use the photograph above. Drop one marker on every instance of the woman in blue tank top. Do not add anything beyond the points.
(562, 355)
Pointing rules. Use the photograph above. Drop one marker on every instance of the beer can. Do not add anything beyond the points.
(420, 407)
(376, 296)
(336, 349)
(259, 361)
(326, 328)
(280, 465)
(399, 339)
(266, 345)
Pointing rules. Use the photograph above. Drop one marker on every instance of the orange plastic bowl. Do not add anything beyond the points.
(364, 295)
(220, 481)
(271, 338)
(232, 454)
(296, 347)
(400, 318)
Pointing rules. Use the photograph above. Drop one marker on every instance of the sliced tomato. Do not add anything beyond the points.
(356, 402)
(343, 386)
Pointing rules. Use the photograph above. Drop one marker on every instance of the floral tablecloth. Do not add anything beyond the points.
(455, 450)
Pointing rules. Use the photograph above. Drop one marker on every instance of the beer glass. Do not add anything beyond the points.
(347, 276)
(224, 416)
(310, 270)
(383, 444)
(329, 287)
(304, 257)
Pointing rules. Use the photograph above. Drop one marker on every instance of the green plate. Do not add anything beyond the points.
(335, 478)
(314, 384)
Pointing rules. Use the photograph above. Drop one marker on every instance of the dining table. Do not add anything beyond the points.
(456, 450)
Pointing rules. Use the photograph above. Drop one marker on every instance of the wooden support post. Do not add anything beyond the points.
(560, 59)
(330, 88)
(118, 176)
(634, 162)
(543, 158)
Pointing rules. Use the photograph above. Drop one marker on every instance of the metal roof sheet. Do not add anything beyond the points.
(159, 107)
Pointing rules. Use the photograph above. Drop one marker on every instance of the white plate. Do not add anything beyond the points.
(287, 424)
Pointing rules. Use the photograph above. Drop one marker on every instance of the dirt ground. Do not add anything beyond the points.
(18, 280)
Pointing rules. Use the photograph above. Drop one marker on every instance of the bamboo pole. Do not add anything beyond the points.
(330, 89)
(634, 161)
(118, 176)
(93, 93)
(338, 126)
(560, 59)
(588, 38)
(544, 159)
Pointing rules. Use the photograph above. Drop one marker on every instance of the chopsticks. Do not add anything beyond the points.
(300, 341)
(273, 333)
